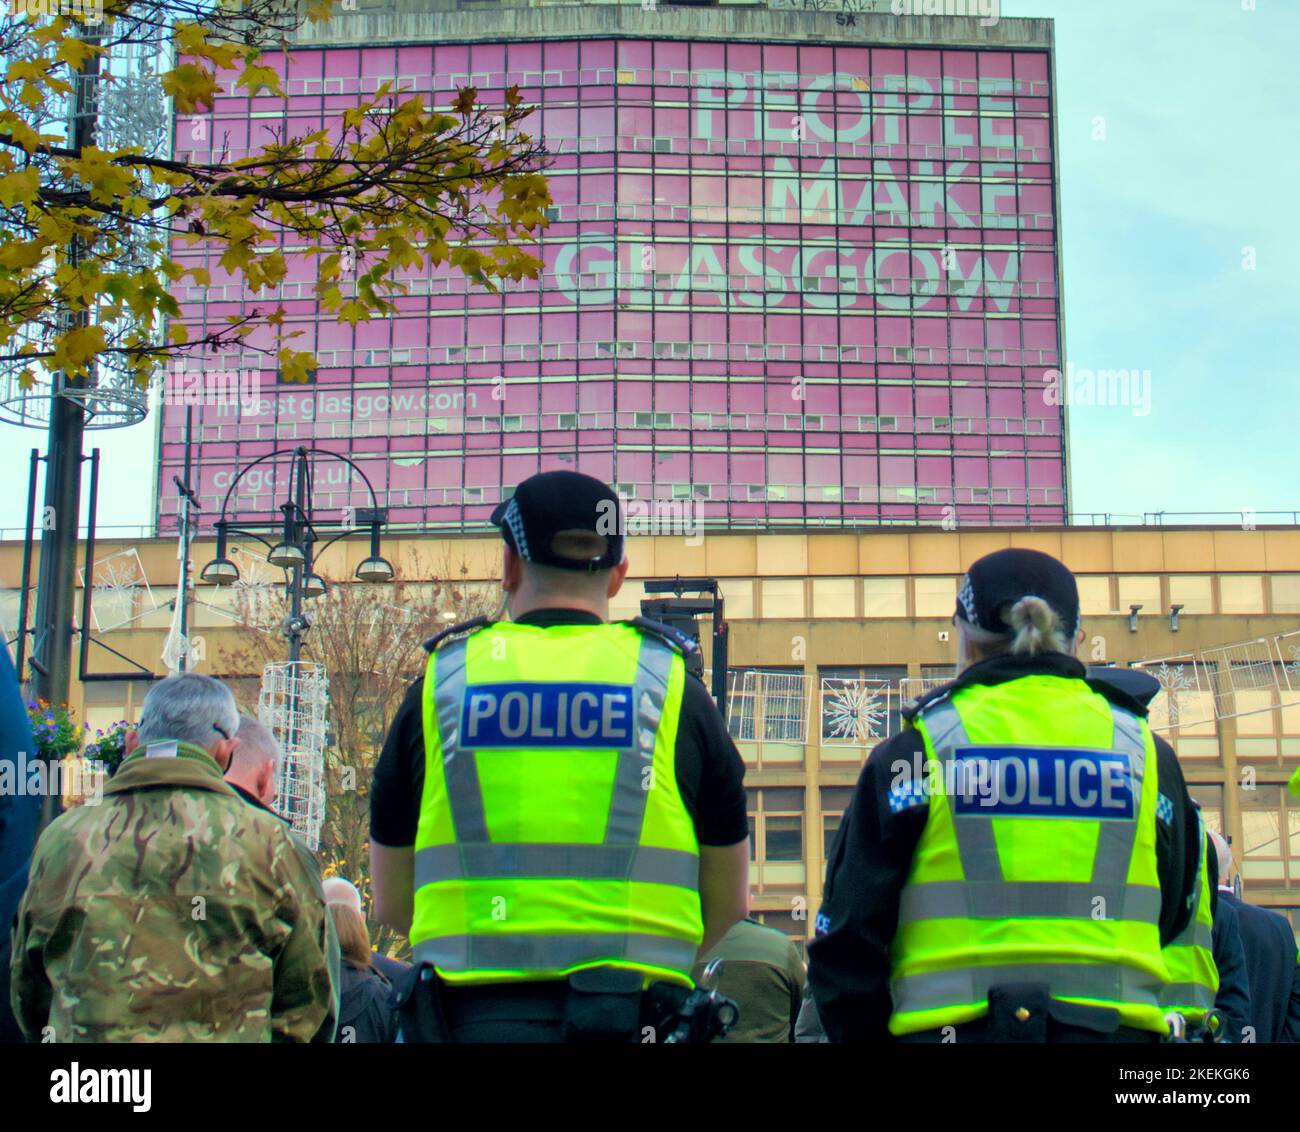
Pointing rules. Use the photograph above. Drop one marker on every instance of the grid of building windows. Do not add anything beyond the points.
(788, 283)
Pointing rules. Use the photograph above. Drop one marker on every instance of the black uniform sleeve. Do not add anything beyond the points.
(399, 775)
(1177, 846)
(848, 961)
(710, 771)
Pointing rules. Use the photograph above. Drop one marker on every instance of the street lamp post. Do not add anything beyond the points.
(299, 531)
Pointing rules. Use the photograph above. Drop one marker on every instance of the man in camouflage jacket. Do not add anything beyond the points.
(172, 911)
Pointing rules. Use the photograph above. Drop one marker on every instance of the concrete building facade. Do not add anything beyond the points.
(832, 632)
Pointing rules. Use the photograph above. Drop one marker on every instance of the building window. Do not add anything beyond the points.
(1286, 593)
(783, 598)
(1192, 592)
(834, 597)
(884, 597)
(1270, 836)
(835, 800)
(1094, 595)
(783, 837)
(776, 824)
(935, 597)
(1241, 593)
(738, 596)
(1140, 589)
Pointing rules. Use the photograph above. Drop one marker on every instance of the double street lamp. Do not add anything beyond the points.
(300, 537)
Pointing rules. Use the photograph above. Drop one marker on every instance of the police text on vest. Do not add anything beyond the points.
(1043, 782)
(547, 715)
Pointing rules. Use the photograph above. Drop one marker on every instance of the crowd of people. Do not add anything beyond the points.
(558, 827)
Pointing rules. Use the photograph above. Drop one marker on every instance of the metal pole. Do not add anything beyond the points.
(20, 651)
(721, 633)
(88, 588)
(183, 591)
(56, 580)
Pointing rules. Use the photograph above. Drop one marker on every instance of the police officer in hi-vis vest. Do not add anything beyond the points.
(1022, 862)
(558, 814)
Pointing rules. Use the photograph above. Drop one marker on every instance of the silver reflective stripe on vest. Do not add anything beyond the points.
(459, 767)
(966, 985)
(527, 951)
(1115, 839)
(646, 864)
(475, 856)
(955, 899)
(976, 845)
(1192, 995)
(631, 790)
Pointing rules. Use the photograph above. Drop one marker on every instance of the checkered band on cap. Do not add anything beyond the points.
(967, 599)
(515, 521)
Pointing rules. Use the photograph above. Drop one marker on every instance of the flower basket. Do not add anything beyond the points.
(55, 734)
(107, 748)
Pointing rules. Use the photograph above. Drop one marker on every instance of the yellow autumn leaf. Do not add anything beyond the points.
(178, 332)
(75, 52)
(20, 187)
(27, 70)
(295, 365)
(77, 347)
(354, 312)
(259, 79)
(191, 86)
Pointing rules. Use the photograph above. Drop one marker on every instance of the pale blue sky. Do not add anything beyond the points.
(1201, 159)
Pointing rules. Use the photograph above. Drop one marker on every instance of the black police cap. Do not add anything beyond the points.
(1002, 578)
(551, 502)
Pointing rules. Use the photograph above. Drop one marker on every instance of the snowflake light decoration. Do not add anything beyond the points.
(853, 711)
(115, 581)
(1173, 681)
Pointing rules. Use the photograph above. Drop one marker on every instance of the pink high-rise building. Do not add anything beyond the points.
(802, 270)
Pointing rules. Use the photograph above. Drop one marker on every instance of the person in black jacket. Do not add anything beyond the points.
(1233, 998)
(365, 1008)
(1270, 955)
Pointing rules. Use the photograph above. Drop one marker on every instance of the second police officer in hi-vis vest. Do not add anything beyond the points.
(1022, 862)
(558, 815)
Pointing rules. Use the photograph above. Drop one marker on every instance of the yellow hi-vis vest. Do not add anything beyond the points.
(1193, 974)
(552, 835)
(1038, 858)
